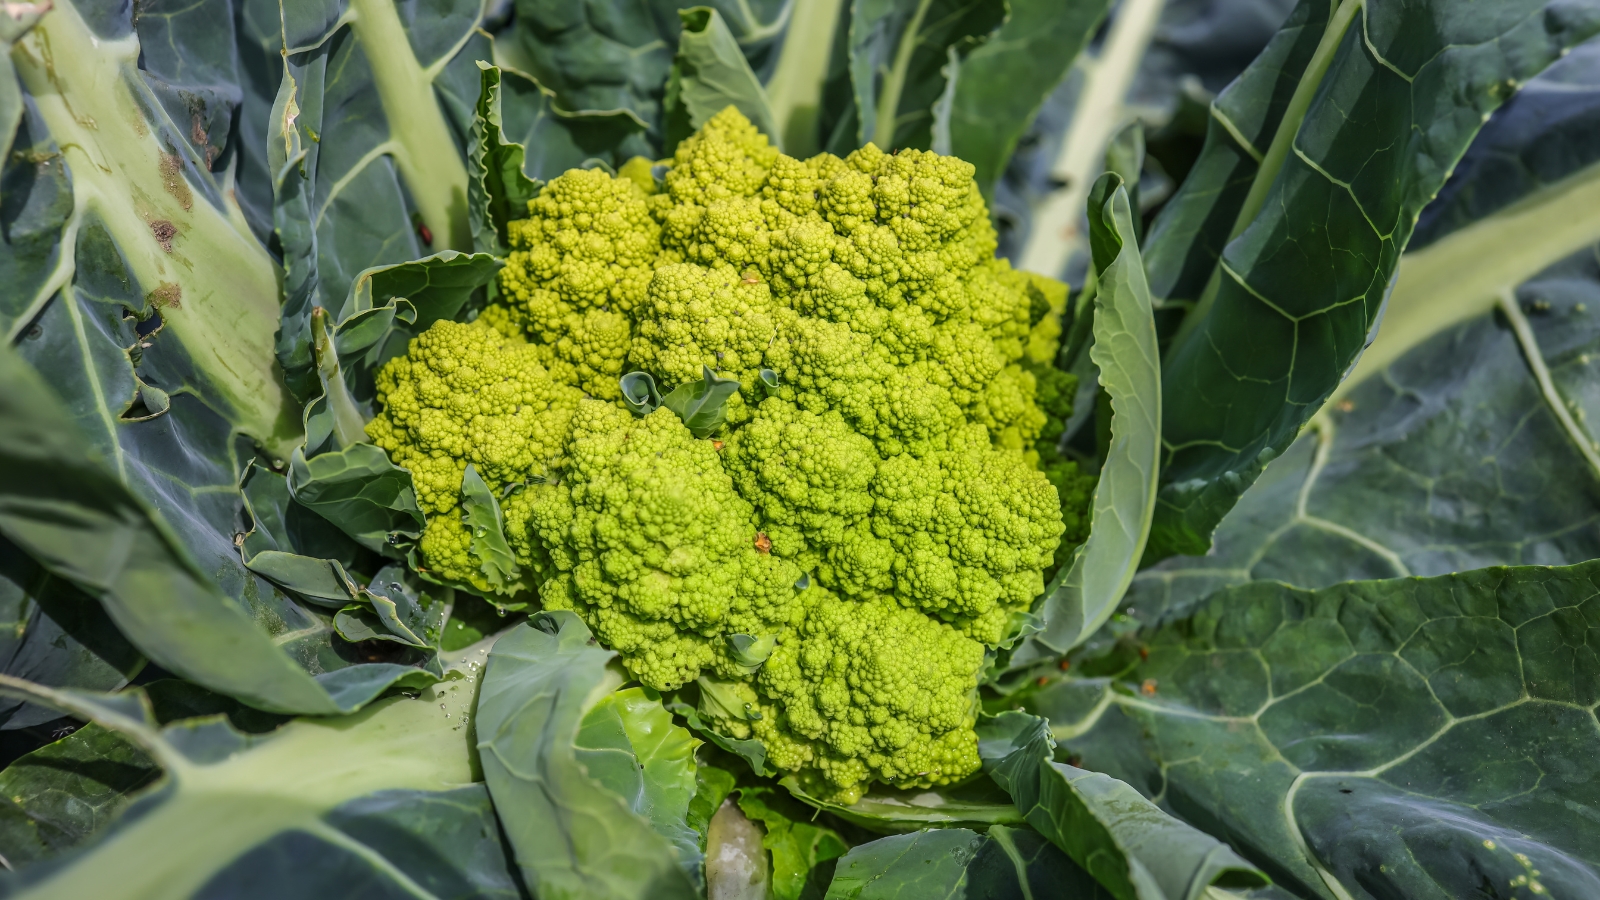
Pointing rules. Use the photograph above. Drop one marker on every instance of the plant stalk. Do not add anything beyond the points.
(1057, 233)
(426, 154)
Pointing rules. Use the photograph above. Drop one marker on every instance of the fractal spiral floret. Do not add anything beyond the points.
(831, 567)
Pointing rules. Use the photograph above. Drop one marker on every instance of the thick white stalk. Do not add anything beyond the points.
(1057, 232)
(216, 287)
(426, 152)
(794, 93)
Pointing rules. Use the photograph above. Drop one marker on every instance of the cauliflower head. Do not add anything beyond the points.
(830, 569)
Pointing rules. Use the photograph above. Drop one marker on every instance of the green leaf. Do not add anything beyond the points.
(614, 55)
(292, 546)
(802, 851)
(710, 74)
(1317, 240)
(81, 523)
(1086, 592)
(480, 510)
(898, 51)
(995, 92)
(574, 836)
(713, 784)
(1131, 847)
(1451, 456)
(54, 798)
(1543, 134)
(359, 490)
(629, 745)
(639, 393)
(1408, 737)
(751, 750)
(978, 803)
(1191, 230)
(956, 862)
(407, 614)
(54, 634)
(750, 651)
(498, 188)
(702, 405)
(384, 799)
(718, 700)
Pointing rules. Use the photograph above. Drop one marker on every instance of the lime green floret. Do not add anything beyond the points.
(827, 571)
(464, 394)
(654, 548)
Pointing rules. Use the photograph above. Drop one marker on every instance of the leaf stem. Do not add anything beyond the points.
(794, 93)
(1295, 113)
(427, 155)
(1057, 234)
(1547, 387)
(895, 83)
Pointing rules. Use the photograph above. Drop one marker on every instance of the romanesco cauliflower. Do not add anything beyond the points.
(873, 514)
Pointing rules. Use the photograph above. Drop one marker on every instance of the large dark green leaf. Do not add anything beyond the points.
(899, 51)
(53, 633)
(1295, 293)
(1543, 134)
(615, 54)
(57, 796)
(1451, 460)
(381, 801)
(1187, 238)
(82, 523)
(1132, 848)
(578, 832)
(1001, 864)
(1409, 738)
(1000, 85)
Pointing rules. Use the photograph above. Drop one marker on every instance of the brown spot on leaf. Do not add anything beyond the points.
(1148, 688)
(1066, 664)
(763, 543)
(164, 232)
(168, 295)
(172, 178)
